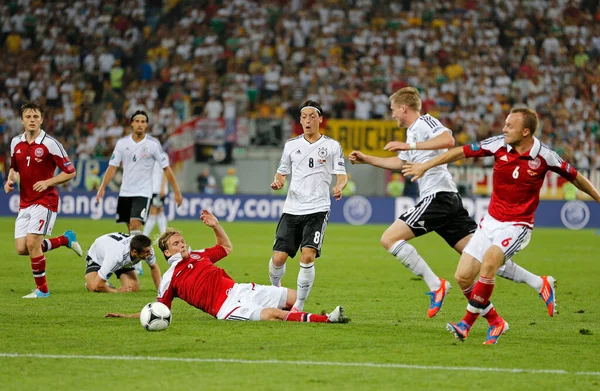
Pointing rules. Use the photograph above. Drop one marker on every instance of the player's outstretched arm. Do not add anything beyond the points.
(171, 178)
(278, 181)
(211, 221)
(584, 184)
(442, 141)
(108, 176)
(416, 170)
(389, 163)
(118, 315)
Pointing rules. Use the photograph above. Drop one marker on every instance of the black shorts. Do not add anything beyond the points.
(443, 213)
(92, 266)
(294, 231)
(132, 208)
(158, 201)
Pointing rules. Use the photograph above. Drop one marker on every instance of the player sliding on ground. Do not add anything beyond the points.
(521, 164)
(195, 279)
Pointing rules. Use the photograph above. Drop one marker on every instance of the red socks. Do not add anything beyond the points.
(305, 317)
(38, 267)
(52, 243)
(480, 300)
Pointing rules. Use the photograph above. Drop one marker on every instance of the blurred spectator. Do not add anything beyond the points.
(206, 182)
(395, 187)
(230, 182)
(350, 188)
(93, 180)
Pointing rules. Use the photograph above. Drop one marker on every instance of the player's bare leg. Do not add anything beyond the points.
(306, 277)
(336, 316)
(129, 282)
(545, 286)
(395, 241)
(277, 267)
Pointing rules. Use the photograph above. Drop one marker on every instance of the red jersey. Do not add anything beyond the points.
(518, 178)
(196, 280)
(37, 162)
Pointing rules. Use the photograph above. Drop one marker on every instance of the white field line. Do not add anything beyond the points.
(296, 363)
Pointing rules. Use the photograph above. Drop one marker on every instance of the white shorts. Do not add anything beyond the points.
(246, 301)
(510, 237)
(35, 219)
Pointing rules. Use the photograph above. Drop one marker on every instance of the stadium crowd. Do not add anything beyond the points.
(94, 62)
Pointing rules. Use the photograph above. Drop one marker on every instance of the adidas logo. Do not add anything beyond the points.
(421, 223)
(18, 151)
(298, 152)
(504, 158)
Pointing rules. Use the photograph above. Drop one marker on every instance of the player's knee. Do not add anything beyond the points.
(463, 280)
(22, 250)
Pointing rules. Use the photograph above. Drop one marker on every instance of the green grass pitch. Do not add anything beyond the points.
(65, 343)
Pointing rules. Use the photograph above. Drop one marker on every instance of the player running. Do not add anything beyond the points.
(520, 167)
(34, 157)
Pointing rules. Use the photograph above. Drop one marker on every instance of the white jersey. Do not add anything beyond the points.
(138, 161)
(112, 253)
(437, 179)
(157, 175)
(311, 166)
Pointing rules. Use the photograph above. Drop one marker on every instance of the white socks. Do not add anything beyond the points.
(162, 222)
(410, 258)
(149, 226)
(276, 273)
(306, 278)
(512, 271)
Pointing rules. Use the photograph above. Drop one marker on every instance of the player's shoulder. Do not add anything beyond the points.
(548, 154)
(16, 140)
(428, 121)
(495, 141)
(53, 145)
(294, 140)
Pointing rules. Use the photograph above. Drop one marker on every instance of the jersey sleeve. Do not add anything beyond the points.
(60, 157)
(436, 128)
(110, 263)
(151, 260)
(339, 165)
(117, 155)
(487, 147)
(285, 163)
(165, 290)
(13, 160)
(561, 167)
(160, 156)
(215, 253)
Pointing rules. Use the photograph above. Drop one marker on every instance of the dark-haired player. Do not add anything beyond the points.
(311, 159)
(118, 253)
(34, 156)
(137, 153)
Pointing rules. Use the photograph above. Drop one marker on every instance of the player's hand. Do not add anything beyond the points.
(114, 315)
(396, 146)
(276, 185)
(209, 219)
(162, 194)
(357, 157)
(9, 186)
(100, 194)
(337, 192)
(415, 169)
(178, 198)
(40, 186)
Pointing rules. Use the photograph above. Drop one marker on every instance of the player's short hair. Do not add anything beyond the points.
(139, 112)
(530, 118)
(407, 96)
(139, 243)
(313, 105)
(163, 240)
(30, 105)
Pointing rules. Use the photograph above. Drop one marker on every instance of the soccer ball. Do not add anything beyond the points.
(155, 316)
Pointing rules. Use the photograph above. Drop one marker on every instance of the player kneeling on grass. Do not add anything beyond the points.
(195, 279)
(118, 253)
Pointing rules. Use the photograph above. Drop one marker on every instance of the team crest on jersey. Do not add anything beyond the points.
(535, 163)
(322, 152)
(39, 152)
(194, 256)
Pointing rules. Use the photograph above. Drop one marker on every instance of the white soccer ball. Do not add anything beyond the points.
(155, 316)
